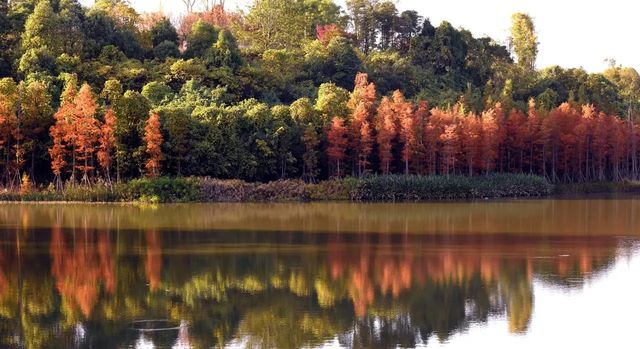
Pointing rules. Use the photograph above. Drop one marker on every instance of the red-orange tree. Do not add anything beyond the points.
(362, 107)
(337, 144)
(107, 142)
(9, 130)
(62, 132)
(87, 130)
(153, 141)
(386, 129)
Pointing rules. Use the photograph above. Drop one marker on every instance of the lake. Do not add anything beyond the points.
(500, 274)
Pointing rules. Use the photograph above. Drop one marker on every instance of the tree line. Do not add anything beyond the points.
(269, 93)
(571, 142)
(352, 133)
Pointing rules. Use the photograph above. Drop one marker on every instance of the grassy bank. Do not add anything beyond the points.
(624, 187)
(373, 188)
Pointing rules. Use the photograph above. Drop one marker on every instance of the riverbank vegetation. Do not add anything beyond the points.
(93, 99)
(390, 188)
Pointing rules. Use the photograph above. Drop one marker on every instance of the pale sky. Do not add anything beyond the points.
(572, 33)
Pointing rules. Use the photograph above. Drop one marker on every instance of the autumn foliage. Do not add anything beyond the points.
(153, 141)
(107, 142)
(367, 135)
(337, 140)
(74, 134)
(569, 143)
(325, 33)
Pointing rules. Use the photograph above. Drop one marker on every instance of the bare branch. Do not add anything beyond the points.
(189, 4)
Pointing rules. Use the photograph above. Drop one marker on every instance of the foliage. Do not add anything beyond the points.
(162, 189)
(153, 140)
(419, 188)
(524, 40)
(270, 94)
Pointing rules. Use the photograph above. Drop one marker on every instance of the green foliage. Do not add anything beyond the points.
(161, 189)
(202, 36)
(338, 62)
(283, 24)
(231, 110)
(225, 51)
(524, 40)
(166, 49)
(573, 189)
(190, 69)
(420, 188)
(156, 92)
(132, 110)
(391, 72)
(332, 101)
(163, 31)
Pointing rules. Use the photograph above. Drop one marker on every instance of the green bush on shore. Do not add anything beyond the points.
(423, 188)
(565, 189)
(162, 189)
(392, 188)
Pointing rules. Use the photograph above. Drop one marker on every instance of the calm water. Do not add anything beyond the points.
(514, 274)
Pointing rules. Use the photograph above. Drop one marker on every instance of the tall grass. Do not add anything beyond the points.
(392, 188)
(424, 188)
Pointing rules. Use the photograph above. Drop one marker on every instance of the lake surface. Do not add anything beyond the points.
(508, 274)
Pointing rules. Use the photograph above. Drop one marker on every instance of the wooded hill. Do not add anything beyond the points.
(107, 93)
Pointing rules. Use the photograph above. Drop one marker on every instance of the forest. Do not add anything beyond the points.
(299, 89)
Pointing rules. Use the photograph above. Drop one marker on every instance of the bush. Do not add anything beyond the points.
(597, 188)
(216, 190)
(373, 188)
(422, 188)
(284, 190)
(160, 190)
(334, 190)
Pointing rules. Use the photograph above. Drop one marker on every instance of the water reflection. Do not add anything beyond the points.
(100, 276)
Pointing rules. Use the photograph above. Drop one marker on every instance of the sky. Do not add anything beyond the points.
(571, 33)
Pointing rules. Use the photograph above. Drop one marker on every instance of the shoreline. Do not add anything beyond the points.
(372, 189)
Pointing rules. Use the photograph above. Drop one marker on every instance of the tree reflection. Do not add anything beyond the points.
(153, 262)
(73, 283)
(79, 266)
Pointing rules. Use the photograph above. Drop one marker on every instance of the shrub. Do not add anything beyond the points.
(216, 190)
(422, 188)
(283, 190)
(163, 189)
(372, 188)
(597, 188)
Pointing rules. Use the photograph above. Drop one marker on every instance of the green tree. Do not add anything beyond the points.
(386, 16)
(274, 24)
(166, 49)
(120, 11)
(175, 122)
(391, 72)
(163, 31)
(190, 69)
(524, 40)
(363, 22)
(132, 111)
(285, 24)
(332, 102)
(36, 120)
(627, 81)
(202, 36)
(225, 51)
(40, 41)
(156, 92)
(111, 92)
